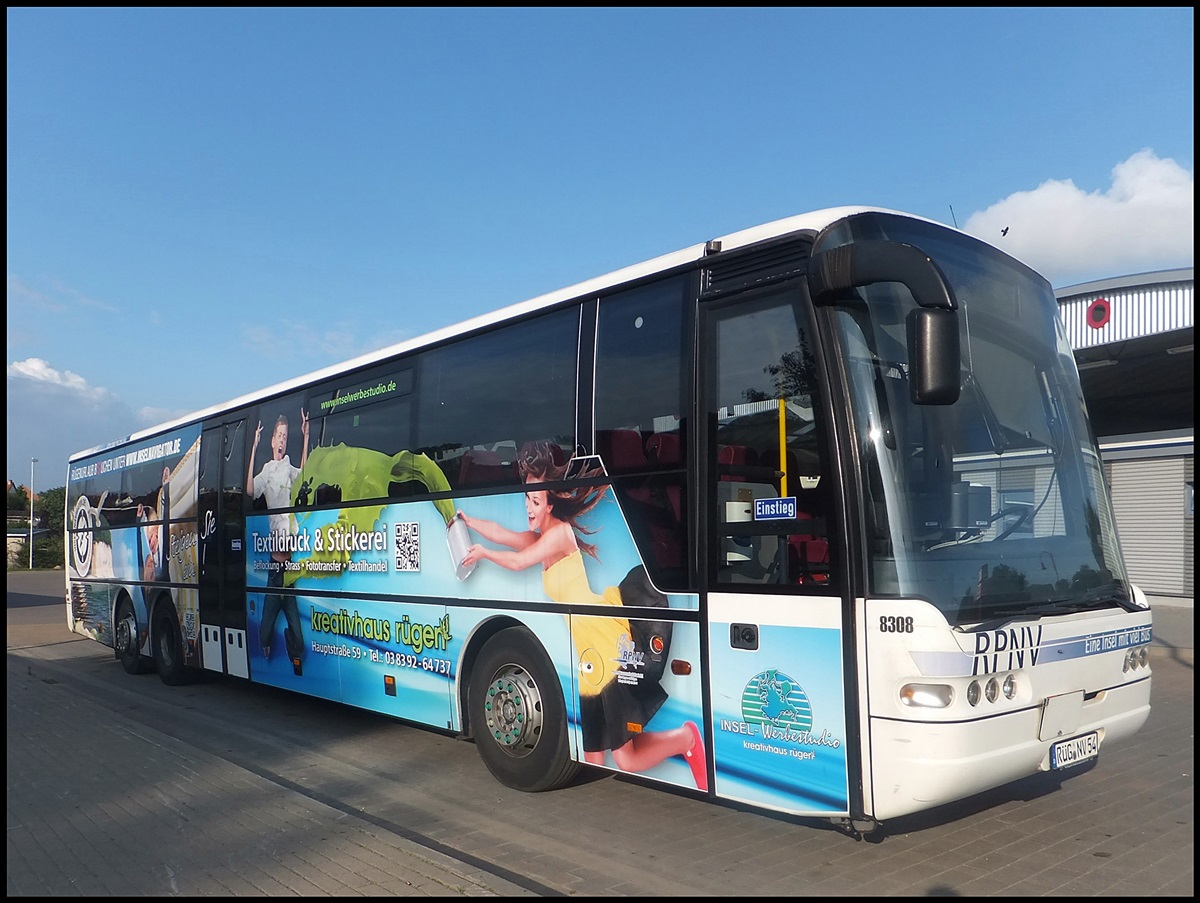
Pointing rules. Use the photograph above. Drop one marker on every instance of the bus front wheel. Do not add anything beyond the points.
(126, 639)
(167, 642)
(518, 717)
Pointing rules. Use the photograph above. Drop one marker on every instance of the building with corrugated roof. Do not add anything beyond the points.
(1132, 340)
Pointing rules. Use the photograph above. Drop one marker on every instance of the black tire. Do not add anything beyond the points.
(125, 639)
(166, 641)
(517, 714)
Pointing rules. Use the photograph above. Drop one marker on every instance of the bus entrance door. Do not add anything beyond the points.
(222, 557)
(775, 620)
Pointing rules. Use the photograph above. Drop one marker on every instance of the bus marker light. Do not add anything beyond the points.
(679, 666)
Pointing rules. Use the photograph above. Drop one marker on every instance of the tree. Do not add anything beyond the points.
(18, 498)
(50, 508)
(49, 512)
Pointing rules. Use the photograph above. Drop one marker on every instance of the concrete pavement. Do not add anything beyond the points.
(71, 831)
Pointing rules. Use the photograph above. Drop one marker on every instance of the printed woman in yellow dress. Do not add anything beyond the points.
(608, 705)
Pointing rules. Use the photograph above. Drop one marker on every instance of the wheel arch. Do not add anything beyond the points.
(483, 632)
(122, 594)
(169, 653)
(160, 598)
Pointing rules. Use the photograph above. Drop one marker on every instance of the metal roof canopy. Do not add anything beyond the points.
(1132, 337)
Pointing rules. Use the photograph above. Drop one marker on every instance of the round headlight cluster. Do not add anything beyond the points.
(1137, 658)
(992, 689)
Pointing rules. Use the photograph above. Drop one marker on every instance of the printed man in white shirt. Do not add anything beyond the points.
(274, 483)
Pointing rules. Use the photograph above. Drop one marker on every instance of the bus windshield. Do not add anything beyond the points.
(992, 507)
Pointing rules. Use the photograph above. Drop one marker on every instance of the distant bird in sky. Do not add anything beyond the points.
(1004, 231)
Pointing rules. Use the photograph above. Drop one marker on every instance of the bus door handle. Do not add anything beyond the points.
(743, 636)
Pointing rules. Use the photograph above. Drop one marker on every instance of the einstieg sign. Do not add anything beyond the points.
(775, 509)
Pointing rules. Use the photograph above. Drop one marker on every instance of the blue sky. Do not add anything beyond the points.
(204, 202)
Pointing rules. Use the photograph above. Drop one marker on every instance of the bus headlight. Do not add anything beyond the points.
(1009, 686)
(931, 696)
(1137, 658)
(992, 689)
(973, 692)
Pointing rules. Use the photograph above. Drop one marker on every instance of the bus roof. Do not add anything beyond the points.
(814, 220)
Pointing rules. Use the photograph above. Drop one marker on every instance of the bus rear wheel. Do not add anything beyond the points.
(167, 643)
(518, 717)
(125, 639)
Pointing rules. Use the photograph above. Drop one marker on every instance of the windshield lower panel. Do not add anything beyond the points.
(994, 506)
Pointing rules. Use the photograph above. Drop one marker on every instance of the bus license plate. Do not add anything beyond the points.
(1076, 750)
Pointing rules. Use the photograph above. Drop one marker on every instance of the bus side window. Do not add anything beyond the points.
(641, 401)
(368, 416)
(486, 467)
(666, 452)
(468, 391)
(808, 553)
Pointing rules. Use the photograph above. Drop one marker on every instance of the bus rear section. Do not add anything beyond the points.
(132, 556)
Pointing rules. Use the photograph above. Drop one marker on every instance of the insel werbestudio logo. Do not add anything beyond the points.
(775, 707)
(776, 701)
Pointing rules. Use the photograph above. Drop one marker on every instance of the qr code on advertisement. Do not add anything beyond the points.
(408, 547)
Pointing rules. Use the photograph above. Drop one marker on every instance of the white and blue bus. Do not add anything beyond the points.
(808, 517)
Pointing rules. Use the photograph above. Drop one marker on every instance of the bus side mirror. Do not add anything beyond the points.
(932, 335)
(931, 330)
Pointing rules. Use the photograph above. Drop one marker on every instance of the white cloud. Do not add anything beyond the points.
(51, 414)
(37, 369)
(1144, 221)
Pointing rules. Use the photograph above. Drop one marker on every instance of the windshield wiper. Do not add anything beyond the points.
(1100, 597)
(1096, 598)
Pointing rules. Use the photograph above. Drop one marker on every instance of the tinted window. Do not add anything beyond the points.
(372, 411)
(277, 449)
(480, 399)
(641, 427)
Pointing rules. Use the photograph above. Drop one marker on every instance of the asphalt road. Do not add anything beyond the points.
(120, 785)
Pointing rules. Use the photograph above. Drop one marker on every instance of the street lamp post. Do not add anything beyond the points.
(32, 462)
